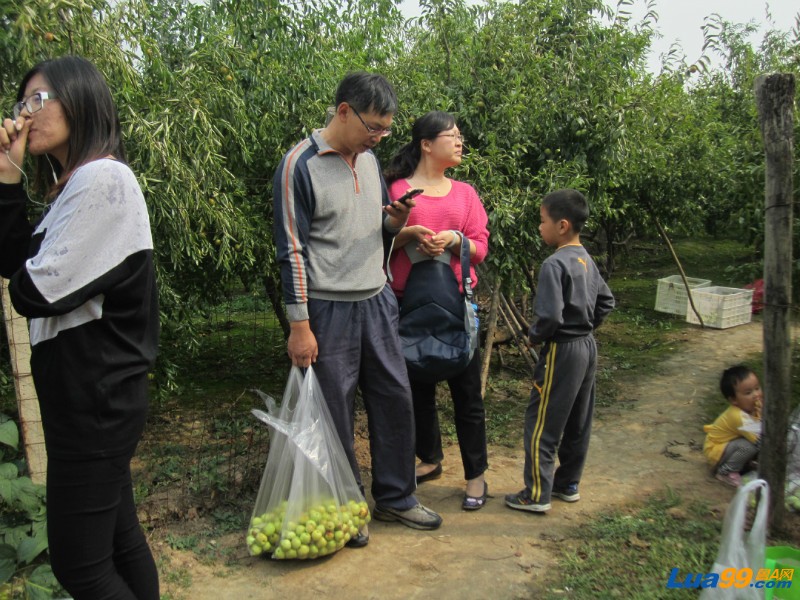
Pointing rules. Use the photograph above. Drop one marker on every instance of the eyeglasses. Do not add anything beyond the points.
(456, 136)
(380, 132)
(33, 103)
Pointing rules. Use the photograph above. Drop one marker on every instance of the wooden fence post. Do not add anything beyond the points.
(491, 327)
(30, 420)
(775, 100)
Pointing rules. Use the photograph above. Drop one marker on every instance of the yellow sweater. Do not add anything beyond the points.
(726, 428)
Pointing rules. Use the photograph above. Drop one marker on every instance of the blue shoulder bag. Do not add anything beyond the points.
(438, 326)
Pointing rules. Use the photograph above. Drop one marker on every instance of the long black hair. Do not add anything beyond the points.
(94, 130)
(427, 127)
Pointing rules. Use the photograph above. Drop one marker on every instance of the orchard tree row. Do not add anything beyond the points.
(548, 93)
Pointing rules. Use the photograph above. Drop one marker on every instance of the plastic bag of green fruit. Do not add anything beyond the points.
(309, 504)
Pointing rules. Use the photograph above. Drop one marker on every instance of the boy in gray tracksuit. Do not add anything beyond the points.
(572, 300)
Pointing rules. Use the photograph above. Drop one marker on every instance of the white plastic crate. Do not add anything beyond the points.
(721, 307)
(671, 294)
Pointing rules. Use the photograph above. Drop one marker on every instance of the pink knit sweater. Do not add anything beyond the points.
(460, 210)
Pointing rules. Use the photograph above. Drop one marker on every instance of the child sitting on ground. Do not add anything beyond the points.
(734, 438)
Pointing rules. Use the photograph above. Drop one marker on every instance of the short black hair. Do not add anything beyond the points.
(367, 92)
(731, 377)
(567, 204)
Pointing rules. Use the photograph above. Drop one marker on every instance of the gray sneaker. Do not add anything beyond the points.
(568, 494)
(416, 517)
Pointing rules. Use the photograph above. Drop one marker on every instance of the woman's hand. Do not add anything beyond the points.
(412, 233)
(434, 244)
(13, 139)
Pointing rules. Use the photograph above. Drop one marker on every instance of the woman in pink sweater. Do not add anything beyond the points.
(446, 210)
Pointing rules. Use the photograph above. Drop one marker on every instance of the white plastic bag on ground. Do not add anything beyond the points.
(739, 549)
(792, 491)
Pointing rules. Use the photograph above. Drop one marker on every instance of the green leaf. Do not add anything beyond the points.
(8, 471)
(42, 584)
(21, 494)
(13, 536)
(8, 562)
(9, 434)
(30, 548)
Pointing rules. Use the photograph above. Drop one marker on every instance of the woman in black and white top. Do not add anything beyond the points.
(83, 275)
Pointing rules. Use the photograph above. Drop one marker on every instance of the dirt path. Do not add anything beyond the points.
(652, 441)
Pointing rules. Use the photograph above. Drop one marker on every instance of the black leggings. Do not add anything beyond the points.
(97, 548)
(470, 420)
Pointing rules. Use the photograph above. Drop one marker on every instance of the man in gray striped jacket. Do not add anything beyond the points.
(334, 225)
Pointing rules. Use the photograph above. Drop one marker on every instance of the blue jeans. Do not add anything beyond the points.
(97, 548)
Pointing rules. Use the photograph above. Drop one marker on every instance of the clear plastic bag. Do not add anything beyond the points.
(309, 504)
(739, 549)
(792, 491)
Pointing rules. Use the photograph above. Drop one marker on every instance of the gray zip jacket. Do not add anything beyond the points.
(331, 234)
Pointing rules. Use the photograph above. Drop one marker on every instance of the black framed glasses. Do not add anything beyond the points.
(33, 103)
(380, 132)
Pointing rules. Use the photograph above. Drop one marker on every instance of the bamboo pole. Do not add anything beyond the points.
(665, 237)
(30, 420)
(775, 101)
(491, 327)
(523, 322)
(514, 327)
(520, 331)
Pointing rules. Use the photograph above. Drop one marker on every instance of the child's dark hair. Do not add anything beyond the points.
(731, 377)
(567, 204)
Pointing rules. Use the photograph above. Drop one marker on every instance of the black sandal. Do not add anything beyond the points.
(473, 502)
(431, 475)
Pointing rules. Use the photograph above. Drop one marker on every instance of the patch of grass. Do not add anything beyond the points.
(229, 519)
(182, 542)
(242, 347)
(175, 579)
(629, 554)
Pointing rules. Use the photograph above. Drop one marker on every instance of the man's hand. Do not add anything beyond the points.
(398, 212)
(302, 344)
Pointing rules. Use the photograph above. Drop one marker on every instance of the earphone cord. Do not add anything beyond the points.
(25, 177)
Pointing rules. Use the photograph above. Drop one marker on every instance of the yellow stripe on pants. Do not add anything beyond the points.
(544, 399)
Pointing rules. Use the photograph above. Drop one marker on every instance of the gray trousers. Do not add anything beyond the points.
(559, 416)
(737, 454)
(359, 347)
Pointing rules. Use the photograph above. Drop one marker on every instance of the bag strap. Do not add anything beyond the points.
(466, 277)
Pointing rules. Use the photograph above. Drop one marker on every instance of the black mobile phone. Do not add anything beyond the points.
(409, 194)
